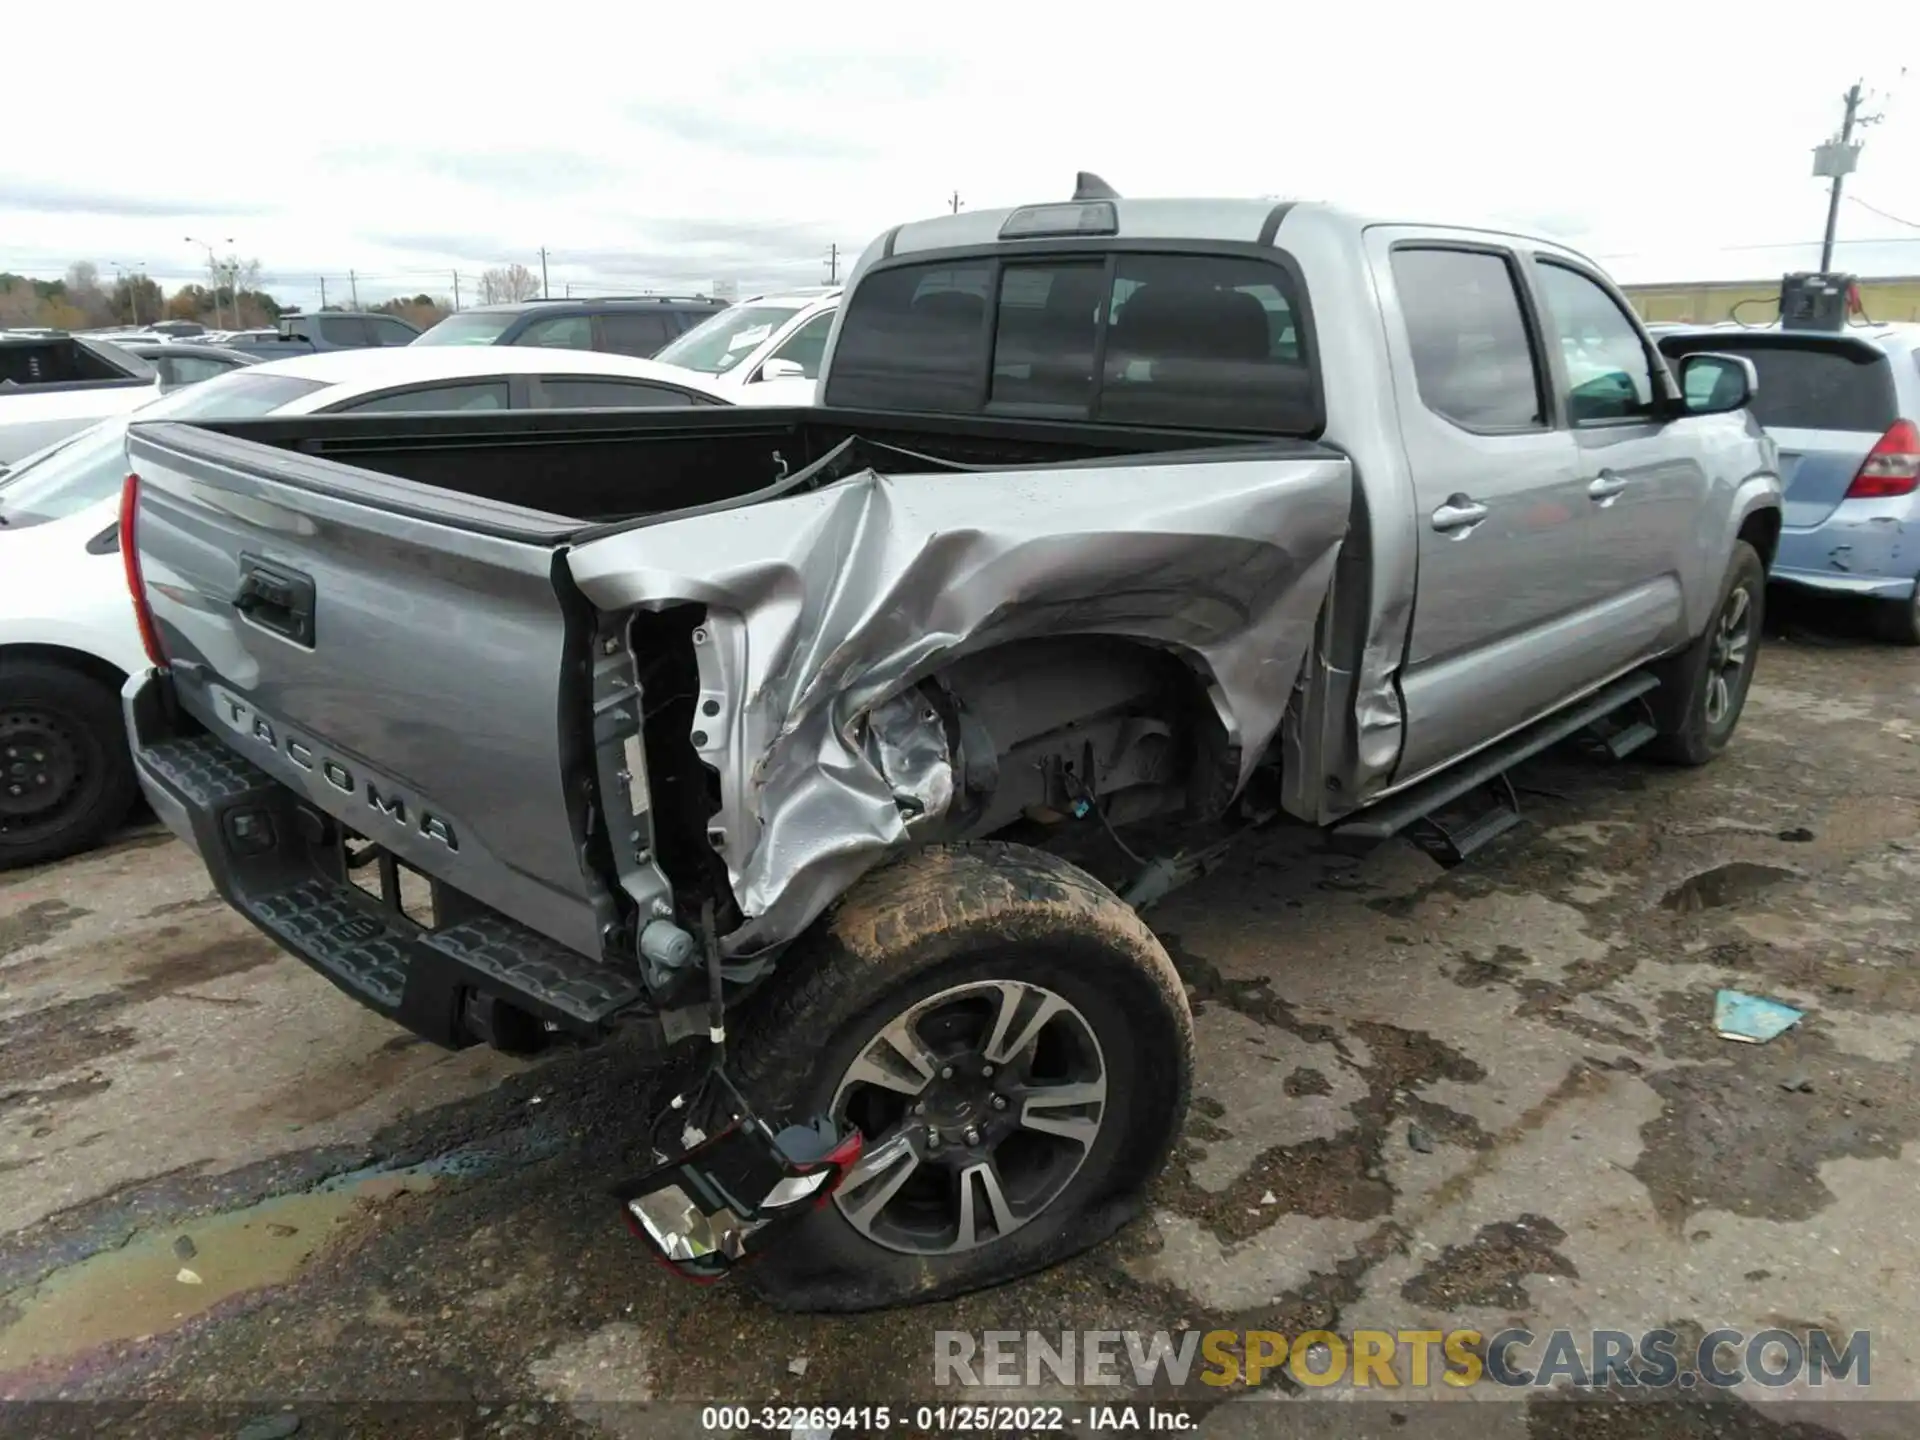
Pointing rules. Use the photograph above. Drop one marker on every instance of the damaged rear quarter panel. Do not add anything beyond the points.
(822, 605)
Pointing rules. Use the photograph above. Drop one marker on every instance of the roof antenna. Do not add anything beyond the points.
(1089, 186)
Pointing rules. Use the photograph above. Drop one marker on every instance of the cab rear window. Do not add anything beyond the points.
(1214, 342)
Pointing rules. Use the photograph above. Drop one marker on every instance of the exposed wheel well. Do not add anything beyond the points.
(91, 666)
(1762, 531)
(1099, 719)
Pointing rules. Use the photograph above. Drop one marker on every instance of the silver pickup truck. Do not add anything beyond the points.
(755, 735)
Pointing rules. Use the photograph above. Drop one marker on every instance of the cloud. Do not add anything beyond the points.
(534, 170)
(49, 198)
(775, 138)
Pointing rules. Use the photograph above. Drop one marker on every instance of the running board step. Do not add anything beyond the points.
(1620, 734)
(1433, 796)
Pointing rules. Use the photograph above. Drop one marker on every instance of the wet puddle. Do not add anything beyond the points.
(141, 1289)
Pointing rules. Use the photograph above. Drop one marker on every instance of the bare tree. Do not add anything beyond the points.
(506, 283)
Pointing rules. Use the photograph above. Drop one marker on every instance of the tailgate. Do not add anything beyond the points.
(398, 655)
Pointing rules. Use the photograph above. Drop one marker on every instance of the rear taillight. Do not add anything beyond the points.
(130, 561)
(1892, 467)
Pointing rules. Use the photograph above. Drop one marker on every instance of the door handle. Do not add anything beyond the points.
(1459, 514)
(276, 598)
(1606, 487)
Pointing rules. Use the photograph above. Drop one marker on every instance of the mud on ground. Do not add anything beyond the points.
(1427, 1099)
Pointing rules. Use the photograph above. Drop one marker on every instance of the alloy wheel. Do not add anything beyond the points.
(980, 1104)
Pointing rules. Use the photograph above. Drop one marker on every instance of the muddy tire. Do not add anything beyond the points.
(1899, 620)
(908, 992)
(66, 777)
(1704, 687)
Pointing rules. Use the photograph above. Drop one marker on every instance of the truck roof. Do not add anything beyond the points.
(1228, 221)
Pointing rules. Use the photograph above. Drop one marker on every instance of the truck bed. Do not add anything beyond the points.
(603, 468)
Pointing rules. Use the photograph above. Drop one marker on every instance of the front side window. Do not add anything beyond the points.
(1467, 334)
(807, 346)
(469, 327)
(476, 395)
(1609, 376)
(1181, 341)
(559, 332)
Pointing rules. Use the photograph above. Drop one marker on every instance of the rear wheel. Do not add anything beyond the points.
(66, 778)
(1704, 687)
(1014, 1046)
(1900, 619)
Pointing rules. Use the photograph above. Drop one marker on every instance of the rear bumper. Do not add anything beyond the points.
(1864, 547)
(282, 864)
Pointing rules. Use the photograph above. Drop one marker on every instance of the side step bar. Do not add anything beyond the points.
(1451, 840)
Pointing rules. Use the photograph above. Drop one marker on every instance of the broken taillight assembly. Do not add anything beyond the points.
(1892, 467)
(130, 564)
(732, 1196)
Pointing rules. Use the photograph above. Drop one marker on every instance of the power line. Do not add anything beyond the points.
(1884, 215)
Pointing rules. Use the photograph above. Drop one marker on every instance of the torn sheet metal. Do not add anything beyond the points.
(821, 606)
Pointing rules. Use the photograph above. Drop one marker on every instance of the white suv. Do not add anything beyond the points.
(763, 351)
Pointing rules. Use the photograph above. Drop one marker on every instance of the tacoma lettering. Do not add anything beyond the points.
(389, 803)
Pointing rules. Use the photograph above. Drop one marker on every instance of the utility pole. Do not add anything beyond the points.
(833, 264)
(456, 290)
(323, 292)
(954, 204)
(544, 294)
(1836, 160)
(353, 283)
(213, 274)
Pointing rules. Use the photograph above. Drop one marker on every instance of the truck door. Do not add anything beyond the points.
(1645, 484)
(1499, 506)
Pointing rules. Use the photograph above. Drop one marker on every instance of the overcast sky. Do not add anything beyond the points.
(404, 142)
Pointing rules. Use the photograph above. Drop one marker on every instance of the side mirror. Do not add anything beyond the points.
(1717, 384)
(782, 370)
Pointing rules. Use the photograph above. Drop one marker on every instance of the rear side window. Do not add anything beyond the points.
(637, 332)
(1809, 386)
(1182, 341)
(388, 331)
(1472, 358)
(344, 330)
(478, 395)
(586, 394)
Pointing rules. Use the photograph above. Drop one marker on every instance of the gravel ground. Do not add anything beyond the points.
(1485, 1097)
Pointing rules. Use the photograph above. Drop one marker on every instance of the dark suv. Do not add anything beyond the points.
(301, 334)
(633, 326)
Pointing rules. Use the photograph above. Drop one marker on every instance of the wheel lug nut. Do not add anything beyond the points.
(986, 1070)
(999, 1102)
(946, 1072)
(973, 1136)
(933, 1139)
